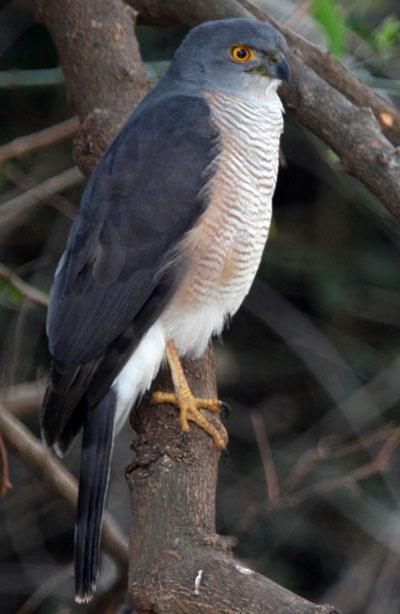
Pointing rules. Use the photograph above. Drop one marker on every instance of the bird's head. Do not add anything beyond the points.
(232, 55)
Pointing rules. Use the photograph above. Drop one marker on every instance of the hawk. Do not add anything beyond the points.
(169, 236)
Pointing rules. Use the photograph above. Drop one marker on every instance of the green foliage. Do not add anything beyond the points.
(387, 35)
(332, 22)
(12, 294)
(383, 39)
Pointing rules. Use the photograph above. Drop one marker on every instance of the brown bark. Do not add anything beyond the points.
(360, 126)
(173, 478)
(104, 74)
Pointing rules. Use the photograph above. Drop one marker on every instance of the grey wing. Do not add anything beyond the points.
(113, 280)
(144, 195)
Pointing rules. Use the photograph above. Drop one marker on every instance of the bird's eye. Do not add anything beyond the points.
(273, 59)
(241, 53)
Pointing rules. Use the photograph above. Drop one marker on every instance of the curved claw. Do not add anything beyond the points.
(225, 410)
(189, 406)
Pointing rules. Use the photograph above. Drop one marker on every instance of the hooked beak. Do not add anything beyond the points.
(278, 69)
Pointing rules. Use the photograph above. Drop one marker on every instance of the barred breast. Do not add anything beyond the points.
(223, 252)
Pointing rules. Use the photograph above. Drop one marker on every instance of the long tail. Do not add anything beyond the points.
(97, 444)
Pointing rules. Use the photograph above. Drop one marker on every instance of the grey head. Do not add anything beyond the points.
(231, 55)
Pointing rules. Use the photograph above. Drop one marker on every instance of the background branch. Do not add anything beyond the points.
(32, 294)
(57, 480)
(25, 182)
(16, 209)
(43, 138)
(24, 398)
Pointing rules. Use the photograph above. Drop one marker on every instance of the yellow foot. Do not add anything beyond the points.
(189, 406)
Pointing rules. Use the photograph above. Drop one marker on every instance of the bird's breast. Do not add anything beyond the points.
(222, 253)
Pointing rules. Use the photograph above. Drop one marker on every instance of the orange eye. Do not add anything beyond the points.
(241, 53)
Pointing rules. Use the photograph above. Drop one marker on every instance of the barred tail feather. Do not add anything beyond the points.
(97, 441)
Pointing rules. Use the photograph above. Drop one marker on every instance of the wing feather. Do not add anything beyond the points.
(143, 197)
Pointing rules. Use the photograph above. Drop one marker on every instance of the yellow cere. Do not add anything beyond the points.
(241, 53)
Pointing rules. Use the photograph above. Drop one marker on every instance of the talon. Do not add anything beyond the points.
(225, 455)
(225, 410)
(189, 406)
(170, 398)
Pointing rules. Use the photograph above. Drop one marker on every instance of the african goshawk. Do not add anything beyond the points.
(169, 236)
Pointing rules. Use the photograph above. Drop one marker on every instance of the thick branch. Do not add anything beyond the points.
(322, 95)
(179, 565)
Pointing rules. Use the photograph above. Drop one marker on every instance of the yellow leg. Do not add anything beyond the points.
(187, 403)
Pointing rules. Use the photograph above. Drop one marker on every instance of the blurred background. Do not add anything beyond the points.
(310, 366)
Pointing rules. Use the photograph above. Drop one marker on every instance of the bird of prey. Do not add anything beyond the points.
(169, 236)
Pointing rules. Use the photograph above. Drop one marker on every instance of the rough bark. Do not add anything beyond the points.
(172, 479)
(360, 126)
(103, 71)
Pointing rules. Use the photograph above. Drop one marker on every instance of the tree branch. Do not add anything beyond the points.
(32, 294)
(322, 95)
(26, 144)
(53, 199)
(25, 398)
(15, 209)
(178, 564)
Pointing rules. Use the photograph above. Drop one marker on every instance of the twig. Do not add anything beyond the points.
(32, 294)
(108, 601)
(26, 144)
(377, 465)
(36, 77)
(57, 480)
(5, 483)
(296, 15)
(45, 589)
(63, 205)
(266, 457)
(15, 208)
(24, 398)
(328, 448)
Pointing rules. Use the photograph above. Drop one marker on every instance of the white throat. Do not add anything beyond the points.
(255, 90)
